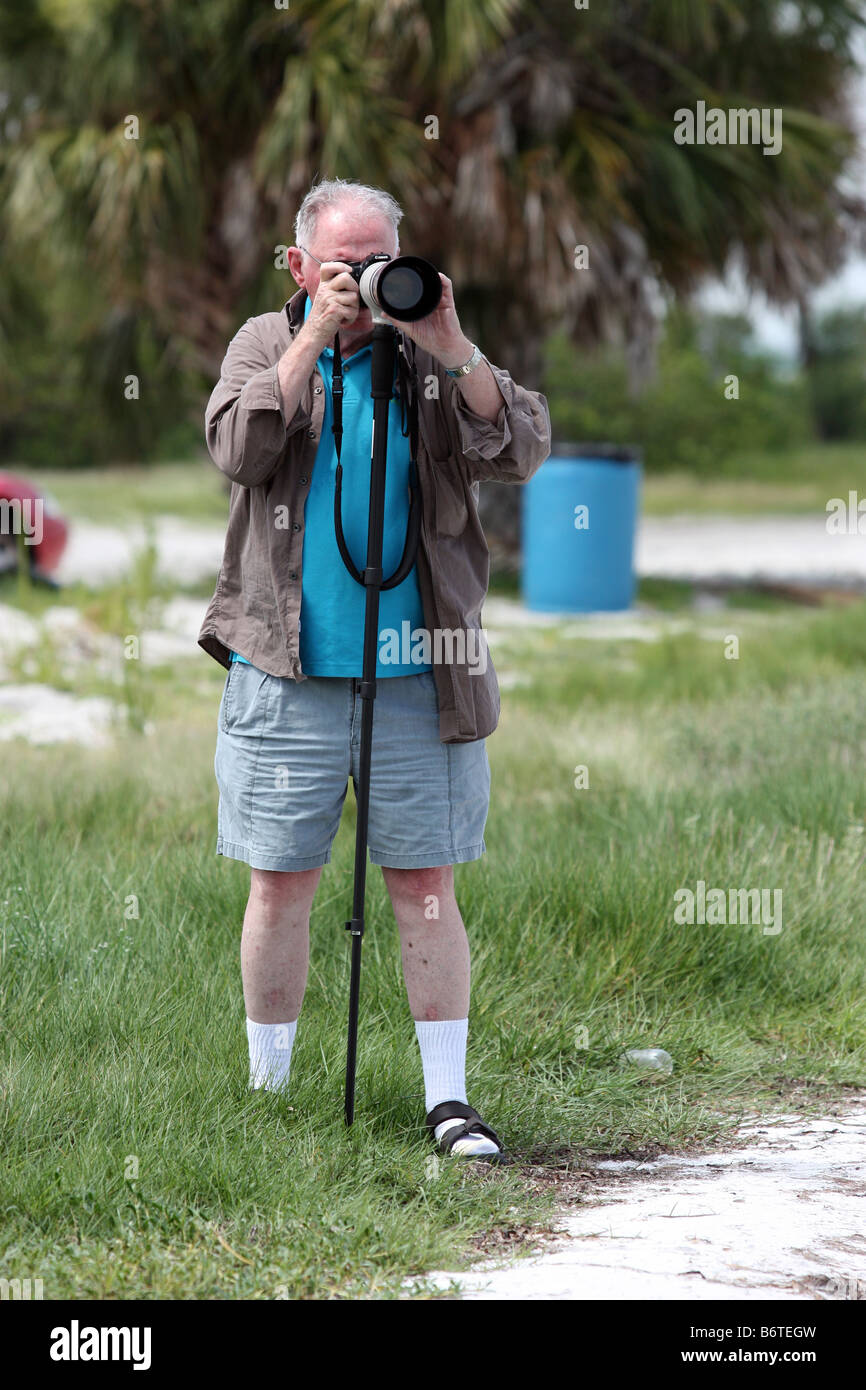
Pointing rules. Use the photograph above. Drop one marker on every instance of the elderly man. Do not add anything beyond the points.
(287, 621)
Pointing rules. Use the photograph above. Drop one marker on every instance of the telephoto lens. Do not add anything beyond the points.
(406, 288)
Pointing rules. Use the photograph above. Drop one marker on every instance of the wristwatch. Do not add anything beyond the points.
(477, 356)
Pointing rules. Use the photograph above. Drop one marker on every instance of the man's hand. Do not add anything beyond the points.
(337, 302)
(439, 333)
(336, 306)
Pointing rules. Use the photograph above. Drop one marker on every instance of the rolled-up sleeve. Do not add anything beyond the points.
(509, 449)
(245, 420)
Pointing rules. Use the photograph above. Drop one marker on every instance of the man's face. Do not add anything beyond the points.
(343, 234)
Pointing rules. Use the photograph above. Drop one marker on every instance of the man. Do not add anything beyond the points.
(287, 621)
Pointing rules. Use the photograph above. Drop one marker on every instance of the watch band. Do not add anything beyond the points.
(477, 356)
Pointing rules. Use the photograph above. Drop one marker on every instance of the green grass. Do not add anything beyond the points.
(194, 490)
(124, 1045)
(796, 481)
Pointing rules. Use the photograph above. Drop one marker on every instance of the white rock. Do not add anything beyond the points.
(41, 715)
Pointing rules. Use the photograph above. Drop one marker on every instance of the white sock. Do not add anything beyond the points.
(270, 1054)
(443, 1059)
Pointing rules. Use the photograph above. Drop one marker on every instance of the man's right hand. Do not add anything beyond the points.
(337, 302)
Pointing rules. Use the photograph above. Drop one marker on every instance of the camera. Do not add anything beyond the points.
(405, 287)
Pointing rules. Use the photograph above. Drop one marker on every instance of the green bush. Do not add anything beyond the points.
(837, 374)
(684, 419)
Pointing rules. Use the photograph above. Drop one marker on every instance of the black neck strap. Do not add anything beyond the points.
(337, 396)
(407, 378)
(407, 385)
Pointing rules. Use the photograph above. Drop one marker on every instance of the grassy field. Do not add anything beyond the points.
(137, 1164)
(795, 482)
(196, 491)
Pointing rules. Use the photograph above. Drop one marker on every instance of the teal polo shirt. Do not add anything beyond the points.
(331, 634)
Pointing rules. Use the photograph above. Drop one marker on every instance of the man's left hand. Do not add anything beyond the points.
(439, 333)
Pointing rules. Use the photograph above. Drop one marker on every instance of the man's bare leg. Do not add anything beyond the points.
(275, 955)
(275, 943)
(433, 941)
(435, 951)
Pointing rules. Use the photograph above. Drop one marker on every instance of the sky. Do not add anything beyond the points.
(776, 329)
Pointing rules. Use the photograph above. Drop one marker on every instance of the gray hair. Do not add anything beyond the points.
(331, 192)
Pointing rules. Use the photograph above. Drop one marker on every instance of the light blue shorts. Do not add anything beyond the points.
(286, 750)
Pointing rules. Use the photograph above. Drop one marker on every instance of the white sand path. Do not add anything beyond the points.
(783, 1217)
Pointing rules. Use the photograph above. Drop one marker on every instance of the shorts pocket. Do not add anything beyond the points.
(428, 687)
(241, 698)
(225, 703)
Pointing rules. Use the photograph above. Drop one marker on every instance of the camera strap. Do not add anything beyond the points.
(407, 377)
(337, 397)
(407, 389)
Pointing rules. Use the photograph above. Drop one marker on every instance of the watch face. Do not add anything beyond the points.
(467, 366)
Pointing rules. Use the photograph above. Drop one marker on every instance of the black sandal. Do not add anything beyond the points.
(458, 1110)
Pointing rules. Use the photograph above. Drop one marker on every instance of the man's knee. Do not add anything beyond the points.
(278, 887)
(418, 885)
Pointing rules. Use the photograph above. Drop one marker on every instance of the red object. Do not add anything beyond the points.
(54, 529)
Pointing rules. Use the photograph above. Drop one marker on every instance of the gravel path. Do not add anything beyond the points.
(100, 554)
(781, 1218)
(781, 549)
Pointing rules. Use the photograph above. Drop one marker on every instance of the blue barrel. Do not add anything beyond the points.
(579, 519)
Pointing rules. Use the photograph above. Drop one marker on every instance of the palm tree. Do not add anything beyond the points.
(555, 132)
(172, 143)
(566, 139)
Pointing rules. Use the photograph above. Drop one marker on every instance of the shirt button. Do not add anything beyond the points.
(303, 480)
(311, 433)
(293, 574)
(318, 390)
(296, 526)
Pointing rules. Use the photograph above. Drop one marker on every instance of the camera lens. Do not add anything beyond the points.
(405, 287)
(408, 288)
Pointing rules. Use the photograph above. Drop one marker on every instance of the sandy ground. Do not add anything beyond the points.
(35, 711)
(781, 549)
(780, 1214)
(100, 554)
(41, 715)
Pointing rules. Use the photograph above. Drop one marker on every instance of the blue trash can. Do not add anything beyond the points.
(579, 519)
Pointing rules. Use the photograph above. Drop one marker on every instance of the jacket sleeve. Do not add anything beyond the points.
(245, 421)
(508, 450)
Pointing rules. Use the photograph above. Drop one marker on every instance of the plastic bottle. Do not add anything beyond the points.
(650, 1059)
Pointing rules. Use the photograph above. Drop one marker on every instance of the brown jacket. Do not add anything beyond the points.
(257, 601)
